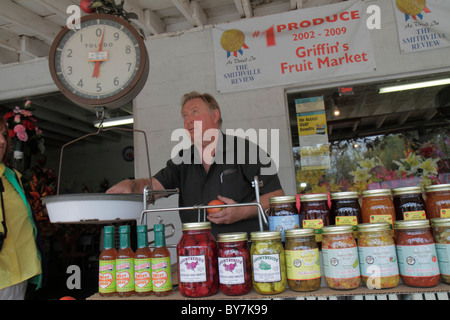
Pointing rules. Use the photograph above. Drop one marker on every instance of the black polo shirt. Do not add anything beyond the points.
(237, 161)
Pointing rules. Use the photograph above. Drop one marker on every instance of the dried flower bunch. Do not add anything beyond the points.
(21, 123)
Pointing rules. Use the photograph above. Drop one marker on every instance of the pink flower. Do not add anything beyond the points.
(26, 113)
(17, 118)
(21, 132)
(27, 103)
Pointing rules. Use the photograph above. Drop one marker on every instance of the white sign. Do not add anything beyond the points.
(422, 25)
(294, 47)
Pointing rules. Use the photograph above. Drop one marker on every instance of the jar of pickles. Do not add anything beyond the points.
(302, 260)
(416, 252)
(283, 214)
(197, 261)
(441, 233)
(377, 256)
(340, 258)
(438, 201)
(315, 213)
(268, 262)
(408, 203)
(377, 206)
(345, 209)
(234, 263)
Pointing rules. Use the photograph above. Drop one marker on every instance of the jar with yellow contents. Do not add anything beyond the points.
(302, 260)
(377, 256)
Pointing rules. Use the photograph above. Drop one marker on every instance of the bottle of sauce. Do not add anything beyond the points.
(408, 203)
(142, 263)
(107, 264)
(161, 272)
(345, 209)
(441, 233)
(283, 214)
(438, 201)
(377, 206)
(315, 213)
(125, 264)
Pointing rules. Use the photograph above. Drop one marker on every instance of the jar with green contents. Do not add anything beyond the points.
(302, 260)
(268, 262)
(441, 233)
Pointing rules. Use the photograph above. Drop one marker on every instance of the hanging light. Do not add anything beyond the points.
(113, 122)
(417, 85)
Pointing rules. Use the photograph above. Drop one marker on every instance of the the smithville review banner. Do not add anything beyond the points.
(294, 47)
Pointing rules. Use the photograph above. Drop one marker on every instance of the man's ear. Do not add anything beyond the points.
(216, 114)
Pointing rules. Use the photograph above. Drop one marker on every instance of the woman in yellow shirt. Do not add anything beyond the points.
(20, 258)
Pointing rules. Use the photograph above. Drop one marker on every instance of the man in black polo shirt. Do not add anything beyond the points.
(216, 166)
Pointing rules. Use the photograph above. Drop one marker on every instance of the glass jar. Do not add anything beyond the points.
(377, 206)
(345, 209)
(315, 213)
(283, 214)
(437, 201)
(340, 258)
(268, 262)
(408, 203)
(197, 261)
(302, 260)
(377, 256)
(441, 233)
(416, 252)
(235, 271)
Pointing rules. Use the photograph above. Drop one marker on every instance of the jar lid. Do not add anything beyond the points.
(283, 199)
(313, 197)
(412, 224)
(344, 195)
(299, 232)
(376, 192)
(232, 236)
(440, 222)
(196, 226)
(437, 187)
(370, 227)
(337, 229)
(406, 190)
(265, 235)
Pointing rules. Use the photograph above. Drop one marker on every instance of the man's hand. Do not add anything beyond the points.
(232, 214)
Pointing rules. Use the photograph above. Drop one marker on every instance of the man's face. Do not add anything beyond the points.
(197, 110)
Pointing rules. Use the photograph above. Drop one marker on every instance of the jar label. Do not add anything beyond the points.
(107, 276)
(378, 261)
(418, 260)
(231, 270)
(341, 263)
(346, 220)
(125, 275)
(266, 267)
(161, 274)
(281, 223)
(315, 224)
(414, 215)
(192, 268)
(142, 275)
(443, 253)
(374, 218)
(445, 213)
(303, 264)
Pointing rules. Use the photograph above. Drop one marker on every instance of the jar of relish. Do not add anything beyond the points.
(438, 201)
(197, 261)
(283, 214)
(345, 209)
(377, 206)
(408, 203)
(302, 260)
(441, 233)
(340, 258)
(416, 252)
(377, 256)
(315, 213)
(235, 273)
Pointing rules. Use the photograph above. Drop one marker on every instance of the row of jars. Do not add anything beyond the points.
(205, 265)
(378, 205)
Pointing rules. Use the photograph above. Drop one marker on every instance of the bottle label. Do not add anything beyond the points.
(303, 264)
(266, 267)
(231, 270)
(161, 274)
(142, 275)
(192, 268)
(443, 253)
(281, 223)
(445, 213)
(315, 224)
(378, 261)
(381, 218)
(414, 215)
(418, 260)
(107, 276)
(341, 263)
(125, 275)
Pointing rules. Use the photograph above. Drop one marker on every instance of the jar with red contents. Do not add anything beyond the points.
(315, 213)
(235, 273)
(408, 203)
(416, 253)
(197, 261)
(437, 201)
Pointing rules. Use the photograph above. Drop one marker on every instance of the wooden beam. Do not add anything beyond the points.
(297, 4)
(192, 11)
(32, 48)
(247, 6)
(154, 24)
(9, 41)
